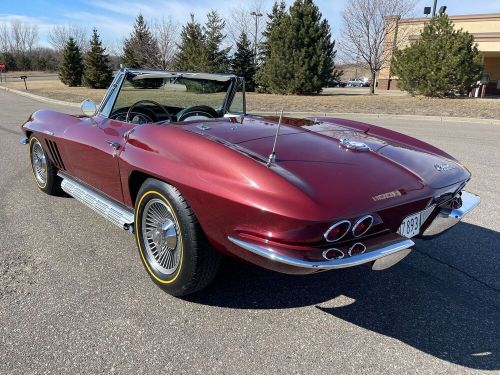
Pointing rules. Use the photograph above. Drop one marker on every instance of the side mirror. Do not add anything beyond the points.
(88, 107)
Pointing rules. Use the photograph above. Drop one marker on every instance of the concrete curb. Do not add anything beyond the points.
(41, 98)
(302, 114)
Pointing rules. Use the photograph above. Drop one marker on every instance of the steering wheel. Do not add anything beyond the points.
(169, 115)
(197, 110)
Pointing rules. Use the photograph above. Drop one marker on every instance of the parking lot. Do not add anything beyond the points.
(74, 297)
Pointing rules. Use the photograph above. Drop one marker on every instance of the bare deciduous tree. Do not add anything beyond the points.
(4, 38)
(23, 36)
(18, 37)
(166, 33)
(114, 47)
(59, 35)
(365, 26)
(241, 21)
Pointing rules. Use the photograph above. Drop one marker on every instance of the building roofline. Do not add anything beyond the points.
(465, 17)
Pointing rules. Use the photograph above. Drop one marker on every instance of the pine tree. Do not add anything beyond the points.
(191, 54)
(141, 50)
(278, 11)
(71, 70)
(443, 62)
(214, 36)
(311, 40)
(243, 62)
(300, 52)
(200, 46)
(97, 73)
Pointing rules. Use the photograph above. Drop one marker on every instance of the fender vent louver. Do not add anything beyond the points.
(55, 155)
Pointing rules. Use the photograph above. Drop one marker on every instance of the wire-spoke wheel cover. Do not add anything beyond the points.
(39, 163)
(160, 233)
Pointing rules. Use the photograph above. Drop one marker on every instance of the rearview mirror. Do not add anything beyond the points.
(88, 107)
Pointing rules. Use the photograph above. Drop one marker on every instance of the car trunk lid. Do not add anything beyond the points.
(307, 149)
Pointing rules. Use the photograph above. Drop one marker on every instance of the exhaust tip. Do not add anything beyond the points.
(356, 249)
(332, 254)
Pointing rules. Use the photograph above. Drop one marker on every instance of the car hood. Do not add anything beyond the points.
(311, 155)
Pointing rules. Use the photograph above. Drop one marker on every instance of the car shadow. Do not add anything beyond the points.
(439, 300)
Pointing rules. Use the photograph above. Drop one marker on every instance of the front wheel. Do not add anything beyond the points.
(44, 172)
(171, 243)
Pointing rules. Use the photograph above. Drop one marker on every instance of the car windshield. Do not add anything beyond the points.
(156, 97)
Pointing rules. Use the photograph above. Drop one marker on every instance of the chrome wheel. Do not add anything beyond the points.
(160, 232)
(39, 163)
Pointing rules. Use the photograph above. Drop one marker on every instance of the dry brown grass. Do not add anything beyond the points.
(56, 90)
(377, 104)
(337, 102)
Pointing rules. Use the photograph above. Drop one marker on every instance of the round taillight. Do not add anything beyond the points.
(362, 226)
(332, 254)
(357, 248)
(337, 231)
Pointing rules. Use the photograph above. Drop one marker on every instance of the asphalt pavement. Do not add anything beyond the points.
(74, 297)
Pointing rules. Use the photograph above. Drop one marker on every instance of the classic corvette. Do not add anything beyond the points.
(174, 158)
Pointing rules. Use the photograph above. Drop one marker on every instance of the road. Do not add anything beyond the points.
(75, 298)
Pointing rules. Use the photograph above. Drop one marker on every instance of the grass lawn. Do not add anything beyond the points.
(338, 100)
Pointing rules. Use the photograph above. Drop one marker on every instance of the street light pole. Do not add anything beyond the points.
(256, 15)
(434, 9)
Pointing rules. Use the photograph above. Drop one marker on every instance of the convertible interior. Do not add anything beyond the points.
(173, 97)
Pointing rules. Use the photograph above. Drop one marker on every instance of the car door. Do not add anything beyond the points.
(94, 147)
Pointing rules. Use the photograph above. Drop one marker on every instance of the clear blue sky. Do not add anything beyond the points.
(114, 18)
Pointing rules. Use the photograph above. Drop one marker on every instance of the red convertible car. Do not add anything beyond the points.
(174, 158)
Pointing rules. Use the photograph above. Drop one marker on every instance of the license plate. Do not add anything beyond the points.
(410, 226)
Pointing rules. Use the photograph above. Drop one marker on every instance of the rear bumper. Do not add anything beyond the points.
(447, 218)
(384, 252)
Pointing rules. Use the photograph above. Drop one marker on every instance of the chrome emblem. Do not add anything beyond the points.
(444, 167)
(354, 145)
(391, 194)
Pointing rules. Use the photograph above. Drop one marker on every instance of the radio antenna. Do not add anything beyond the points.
(272, 156)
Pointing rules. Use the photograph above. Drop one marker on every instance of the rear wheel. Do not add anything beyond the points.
(44, 172)
(172, 245)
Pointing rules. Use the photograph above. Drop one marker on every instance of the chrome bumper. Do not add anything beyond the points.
(447, 217)
(23, 141)
(384, 256)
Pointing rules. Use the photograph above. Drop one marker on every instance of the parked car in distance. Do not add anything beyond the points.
(356, 82)
(334, 82)
(174, 158)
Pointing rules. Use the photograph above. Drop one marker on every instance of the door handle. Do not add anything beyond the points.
(115, 145)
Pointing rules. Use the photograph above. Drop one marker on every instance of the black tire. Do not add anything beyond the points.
(51, 183)
(194, 263)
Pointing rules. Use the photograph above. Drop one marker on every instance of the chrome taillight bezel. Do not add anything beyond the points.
(360, 220)
(325, 235)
